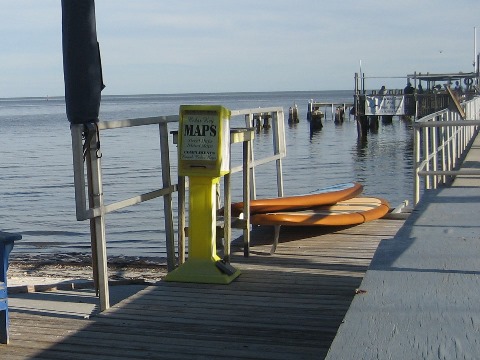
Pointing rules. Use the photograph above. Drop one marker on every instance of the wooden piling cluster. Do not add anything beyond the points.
(262, 121)
(293, 115)
(337, 110)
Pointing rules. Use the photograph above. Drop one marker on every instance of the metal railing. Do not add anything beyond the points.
(87, 166)
(441, 140)
(87, 156)
(277, 116)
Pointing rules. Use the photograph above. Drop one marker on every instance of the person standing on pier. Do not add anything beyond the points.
(409, 90)
(458, 88)
(409, 107)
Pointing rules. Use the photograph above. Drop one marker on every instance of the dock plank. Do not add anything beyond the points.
(422, 289)
(285, 306)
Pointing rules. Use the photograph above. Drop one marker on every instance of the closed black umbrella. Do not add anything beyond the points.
(82, 71)
(81, 61)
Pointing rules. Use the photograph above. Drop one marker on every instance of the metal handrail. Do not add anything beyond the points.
(83, 213)
(441, 140)
(87, 156)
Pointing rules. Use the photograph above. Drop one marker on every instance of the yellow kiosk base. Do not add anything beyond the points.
(203, 264)
(204, 271)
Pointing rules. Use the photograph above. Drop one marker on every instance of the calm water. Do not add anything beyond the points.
(36, 176)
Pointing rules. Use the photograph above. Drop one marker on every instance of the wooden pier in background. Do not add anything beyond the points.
(285, 306)
(334, 109)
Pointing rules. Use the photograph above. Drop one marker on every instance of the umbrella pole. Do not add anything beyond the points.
(93, 238)
(97, 223)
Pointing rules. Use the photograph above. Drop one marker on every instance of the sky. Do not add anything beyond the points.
(205, 46)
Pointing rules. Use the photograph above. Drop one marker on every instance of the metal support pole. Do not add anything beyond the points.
(278, 146)
(443, 153)
(426, 153)
(416, 164)
(227, 216)
(249, 123)
(434, 149)
(474, 49)
(97, 224)
(246, 196)
(167, 198)
(181, 219)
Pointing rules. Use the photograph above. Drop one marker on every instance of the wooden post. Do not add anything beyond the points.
(373, 123)
(266, 121)
(363, 83)
(362, 125)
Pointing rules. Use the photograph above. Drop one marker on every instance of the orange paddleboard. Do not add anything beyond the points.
(349, 212)
(324, 196)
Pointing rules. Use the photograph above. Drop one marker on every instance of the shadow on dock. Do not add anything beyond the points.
(420, 294)
(285, 306)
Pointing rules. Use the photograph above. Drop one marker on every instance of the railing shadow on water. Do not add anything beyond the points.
(441, 141)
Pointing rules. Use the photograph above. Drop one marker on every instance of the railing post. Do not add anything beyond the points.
(416, 164)
(455, 146)
(97, 224)
(449, 141)
(246, 196)
(167, 198)
(426, 154)
(443, 153)
(253, 186)
(279, 147)
(449, 148)
(227, 216)
(182, 223)
(434, 149)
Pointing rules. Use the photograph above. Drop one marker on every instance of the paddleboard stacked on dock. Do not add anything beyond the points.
(331, 206)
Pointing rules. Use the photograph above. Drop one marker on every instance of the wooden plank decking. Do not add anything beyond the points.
(422, 289)
(286, 306)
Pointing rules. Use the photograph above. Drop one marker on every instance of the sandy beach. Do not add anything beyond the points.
(47, 272)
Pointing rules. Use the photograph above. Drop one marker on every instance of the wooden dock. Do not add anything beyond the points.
(285, 306)
(420, 295)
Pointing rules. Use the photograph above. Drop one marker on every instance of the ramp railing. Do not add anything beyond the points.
(89, 197)
(441, 141)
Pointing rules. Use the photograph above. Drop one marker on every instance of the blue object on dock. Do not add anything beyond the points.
(6, 245)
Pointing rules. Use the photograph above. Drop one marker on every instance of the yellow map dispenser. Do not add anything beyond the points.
(204, 141)
(203, 156)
